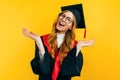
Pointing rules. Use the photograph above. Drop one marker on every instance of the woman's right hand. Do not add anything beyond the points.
(36, 38)
(30, 34)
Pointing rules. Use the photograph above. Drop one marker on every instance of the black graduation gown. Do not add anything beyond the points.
(71, 65)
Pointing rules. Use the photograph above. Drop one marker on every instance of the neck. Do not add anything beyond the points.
(61, 32)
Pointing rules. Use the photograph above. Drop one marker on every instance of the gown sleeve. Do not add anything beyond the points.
(72, 64)
(44, 67)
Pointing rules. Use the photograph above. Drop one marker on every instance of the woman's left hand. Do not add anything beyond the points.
(85, 43)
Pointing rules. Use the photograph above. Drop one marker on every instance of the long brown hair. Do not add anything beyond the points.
(68, 41)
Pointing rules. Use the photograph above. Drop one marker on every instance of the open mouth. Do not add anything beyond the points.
(61, 24)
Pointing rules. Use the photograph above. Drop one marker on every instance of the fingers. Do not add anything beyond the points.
(26, 32)
(86, 43)
(24, 29)
(90, 42)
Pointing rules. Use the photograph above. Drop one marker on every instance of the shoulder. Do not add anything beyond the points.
(45, 36)
(44, 39)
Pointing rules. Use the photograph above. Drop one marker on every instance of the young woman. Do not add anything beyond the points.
(58, 55)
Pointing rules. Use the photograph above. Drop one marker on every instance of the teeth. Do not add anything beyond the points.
(61, 24)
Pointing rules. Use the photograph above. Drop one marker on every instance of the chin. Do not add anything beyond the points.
(58, 28)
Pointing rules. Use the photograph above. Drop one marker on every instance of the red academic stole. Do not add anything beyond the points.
(56, 68)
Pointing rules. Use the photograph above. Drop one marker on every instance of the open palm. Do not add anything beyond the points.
(85, 43)
(30, 34)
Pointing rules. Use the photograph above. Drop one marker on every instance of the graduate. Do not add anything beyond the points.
(58, 55)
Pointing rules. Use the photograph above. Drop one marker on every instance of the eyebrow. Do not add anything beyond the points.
(67, 16)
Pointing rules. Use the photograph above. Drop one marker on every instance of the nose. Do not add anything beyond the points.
(64, 19)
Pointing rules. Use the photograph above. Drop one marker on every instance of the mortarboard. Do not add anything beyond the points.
(77, 10)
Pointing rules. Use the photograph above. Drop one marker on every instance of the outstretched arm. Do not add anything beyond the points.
(83, 44)
(36, 38)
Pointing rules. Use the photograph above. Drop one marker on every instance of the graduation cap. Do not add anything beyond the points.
(77, 10)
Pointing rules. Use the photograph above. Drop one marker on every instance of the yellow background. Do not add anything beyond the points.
(101, 62)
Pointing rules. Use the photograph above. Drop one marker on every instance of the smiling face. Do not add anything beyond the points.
(65, 22)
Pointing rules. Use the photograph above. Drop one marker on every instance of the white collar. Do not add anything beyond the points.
(60, 35)
(60, 38)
